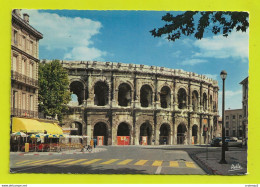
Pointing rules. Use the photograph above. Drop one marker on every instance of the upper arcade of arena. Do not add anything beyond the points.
(139, 68)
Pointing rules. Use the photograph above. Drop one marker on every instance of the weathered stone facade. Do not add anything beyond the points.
(168, 106)
(24, 68)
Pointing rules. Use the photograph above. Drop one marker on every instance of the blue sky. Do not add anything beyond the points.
(123, 36)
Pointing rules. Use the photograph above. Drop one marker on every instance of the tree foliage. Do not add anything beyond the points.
(195, 23)
(54, 91)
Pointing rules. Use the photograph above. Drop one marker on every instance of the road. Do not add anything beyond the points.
(114, 160)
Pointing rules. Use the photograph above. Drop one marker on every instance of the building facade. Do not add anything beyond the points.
(233, 123)
(145, 104)
(24, 66)
(244, 84)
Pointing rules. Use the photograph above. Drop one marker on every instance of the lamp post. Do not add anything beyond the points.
(223, 76)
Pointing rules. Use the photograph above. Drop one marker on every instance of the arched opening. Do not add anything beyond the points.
(101, 133)
(76, 128)
(181, 134)
(101, 94)
(145, 134)
(204, 101)
(164, 134)
(195, 101)
(77, 88)
(182, 98)
(124, 95)
(195, 134)
(210, 103)
(123, 134)
(165, 97)
(146, 97)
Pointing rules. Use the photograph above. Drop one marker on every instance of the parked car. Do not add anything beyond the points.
(230, 141)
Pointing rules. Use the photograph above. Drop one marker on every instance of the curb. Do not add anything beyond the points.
(60, 153)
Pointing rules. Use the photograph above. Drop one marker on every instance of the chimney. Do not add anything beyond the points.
(26, 17)
(17, 12)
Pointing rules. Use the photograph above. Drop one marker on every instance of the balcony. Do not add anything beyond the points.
(24, 79)
(23, 113)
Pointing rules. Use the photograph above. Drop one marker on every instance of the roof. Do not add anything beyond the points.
(244, 81)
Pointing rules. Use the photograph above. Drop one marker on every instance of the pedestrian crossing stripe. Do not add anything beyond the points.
(59, 162)
(91, 161)
(110, 161)
(76, 161)
(22, 161)
(125, 162)
(140, 162)
(174, 164)
(157, 163)
(24, 164)
(45, 162)
(190, 164)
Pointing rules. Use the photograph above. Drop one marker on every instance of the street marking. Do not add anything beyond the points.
(174, 164)
(125, 162)
(91, 161)
(159, 169)
(157, 163)
(110, 161)
(44, 162)
(24, 164)
(22, 161)
(140, 162)
(190, 164)
(59, 162)
(74, 162)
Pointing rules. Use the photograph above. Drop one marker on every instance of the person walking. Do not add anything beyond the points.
(95, 142)
(91, 142)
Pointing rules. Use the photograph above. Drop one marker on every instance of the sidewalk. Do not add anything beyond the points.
(75, 151)
(236, 162)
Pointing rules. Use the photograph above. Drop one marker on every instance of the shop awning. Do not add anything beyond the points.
(26, 125)
(52, 128)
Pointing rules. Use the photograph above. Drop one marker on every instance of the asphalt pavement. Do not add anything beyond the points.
(174, 159)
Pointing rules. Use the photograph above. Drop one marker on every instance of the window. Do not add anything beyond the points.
(31, 102)
(227, 124)
(15, 99)
(234, 117)
(23, 42)
(23, 101)
(31, 47)
(240, 116)
(14, 63)
(227, 117)
(23, 67)
(15, 37)
(31, 70)
(234, 133)
(227, 132)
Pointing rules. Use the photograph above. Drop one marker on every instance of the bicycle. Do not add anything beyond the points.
(88, 148)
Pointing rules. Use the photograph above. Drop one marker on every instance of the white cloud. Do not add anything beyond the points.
(233, 100)
(230, 93)
(68, 34)
(235, 46)
(215, 76)
(193, 62)
(176, 54)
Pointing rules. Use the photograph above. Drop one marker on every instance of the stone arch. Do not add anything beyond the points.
(182, 98)
(77, 87)
(146, 96)
(195, 133)
(101, 91)
(165, 133)
(182, 131)
(101, 129)
(165, 97)
(146, 133)
(124, 94)
(79, 126)
(204, 101)
(195, 100)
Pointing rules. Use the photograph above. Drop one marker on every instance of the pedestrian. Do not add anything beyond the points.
(95, 142)
(91, 142)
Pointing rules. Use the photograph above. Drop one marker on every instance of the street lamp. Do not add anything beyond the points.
(223, 76)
